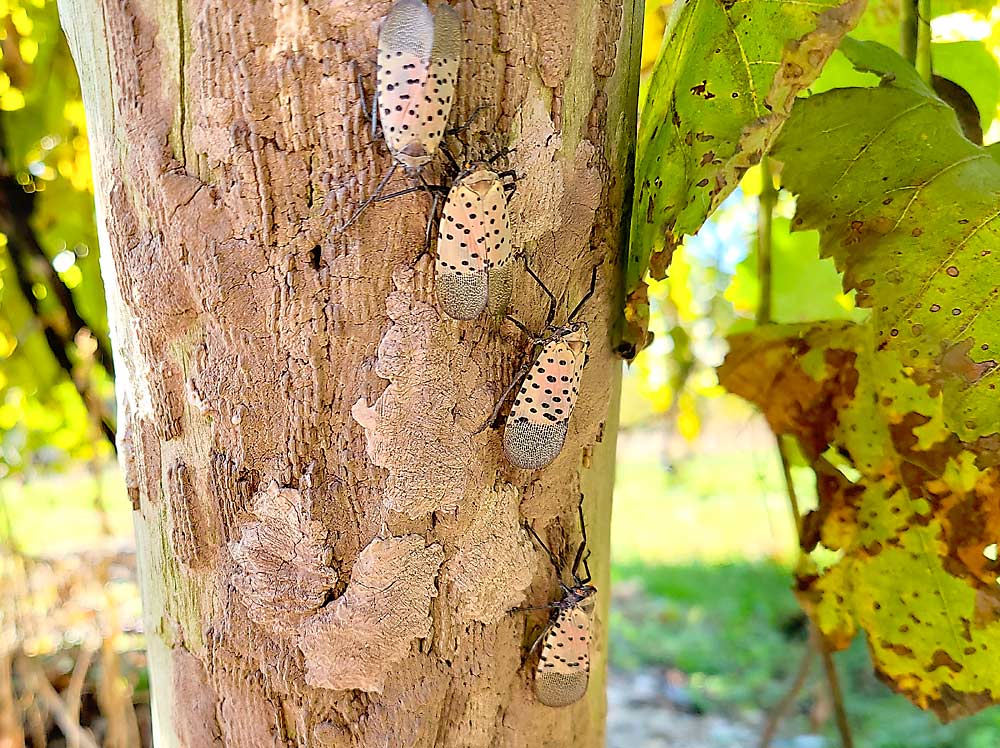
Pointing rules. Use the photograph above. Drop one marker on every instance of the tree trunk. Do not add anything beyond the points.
(328, 553)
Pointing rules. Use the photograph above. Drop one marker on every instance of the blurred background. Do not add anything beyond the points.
(708, 645)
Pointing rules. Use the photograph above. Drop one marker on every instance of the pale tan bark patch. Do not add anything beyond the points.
(355, 641)
(495, 564)
(415, 429)
(282, 560)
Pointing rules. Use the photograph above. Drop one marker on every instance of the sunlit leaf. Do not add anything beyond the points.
(911, 522)
(907, 208)
(726, 79)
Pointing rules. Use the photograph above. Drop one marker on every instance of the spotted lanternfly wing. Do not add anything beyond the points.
(474, 269)
(564, 663)
(539, 419)
(418, 58)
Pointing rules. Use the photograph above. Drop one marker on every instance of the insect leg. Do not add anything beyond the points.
(468, 122)
(586, 568)
(552, 297)
(456, 167)
(586, 296)
(400, 193)
(369, 112)
(518, 377)
(435, 201)
(372, 199)
(520, 326)
(533, 608)
(433, 189)
(548, 551)
(583, 542)
(499, 155)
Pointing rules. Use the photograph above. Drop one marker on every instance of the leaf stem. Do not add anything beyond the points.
(765, 215)
(909, 30)
(767, 200)
(924, 41)
(779, 712)
(915, 36)
(816, 636)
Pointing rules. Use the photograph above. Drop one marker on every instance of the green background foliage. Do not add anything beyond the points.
(55, 386)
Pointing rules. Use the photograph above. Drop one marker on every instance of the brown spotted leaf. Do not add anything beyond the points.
(725, 82)
(912, 511)
(908, 208)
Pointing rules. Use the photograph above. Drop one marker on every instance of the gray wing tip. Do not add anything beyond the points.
(462, 297)
(400, 5)
(532, 446)
(448, 37)
(561, 689)
(409, 26)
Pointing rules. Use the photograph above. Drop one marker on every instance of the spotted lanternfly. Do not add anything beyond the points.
(418, 59)
(563, 668)
(474, 255)
(538, 421)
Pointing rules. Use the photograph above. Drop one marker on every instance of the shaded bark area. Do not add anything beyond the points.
(328, 553)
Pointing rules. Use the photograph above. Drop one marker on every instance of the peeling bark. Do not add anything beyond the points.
(328, 552)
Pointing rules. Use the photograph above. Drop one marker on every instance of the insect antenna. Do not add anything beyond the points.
(586, 296)
(552, 297)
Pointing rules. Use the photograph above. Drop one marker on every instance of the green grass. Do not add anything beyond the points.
(708, 508)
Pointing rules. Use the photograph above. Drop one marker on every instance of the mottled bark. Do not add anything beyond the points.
(328, 553)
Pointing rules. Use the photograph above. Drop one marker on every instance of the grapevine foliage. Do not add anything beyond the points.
(898, 414)
(725, 81)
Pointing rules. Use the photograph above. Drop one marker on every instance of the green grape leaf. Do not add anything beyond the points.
(971, 65)
(908, 209)
(725, 81)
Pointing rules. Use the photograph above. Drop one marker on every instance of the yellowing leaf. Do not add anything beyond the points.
(912, 520)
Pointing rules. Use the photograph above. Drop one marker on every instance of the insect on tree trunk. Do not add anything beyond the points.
(328, 552)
